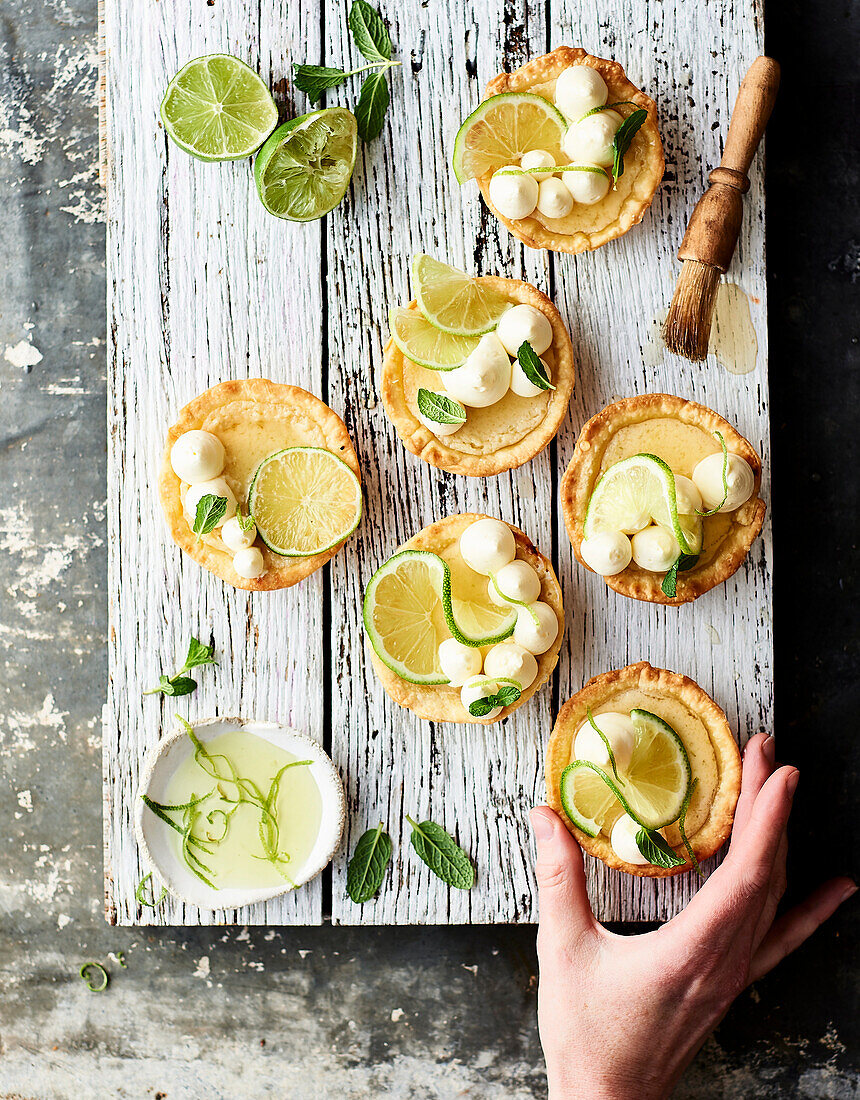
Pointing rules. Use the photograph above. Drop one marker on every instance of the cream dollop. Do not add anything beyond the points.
(234, 538)
(487, 545)
(436, 428)
(517, 581)
(249, 563)
(197, 456)
(537, 158)
(514, 193)
(484, 378)
(619, 731)
(554, 199)
(708, 476)
(607, 552)
(458, 662)
(524, 322)
(655, 549)
(623, 841)
(511, 662)
(536, 627)
(590, 140)
(687, 495)
(479, 687)
(217, 487)
(587, 187)
(578, 89)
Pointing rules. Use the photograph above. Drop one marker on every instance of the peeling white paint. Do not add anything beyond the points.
(202, 970)
(23, 355)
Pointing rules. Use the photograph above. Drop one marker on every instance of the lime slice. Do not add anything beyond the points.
(217, 108)
(304, 500)
(305, 167)
(637, 488)
(655, 783)
(478, 623)
(453, 301)
(427, 345)
(404, 616)
(504, 127)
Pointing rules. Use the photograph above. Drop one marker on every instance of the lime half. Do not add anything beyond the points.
(427, 345)
(633, 492)
(453, 301)
(217, 108)
(504, 127)
(304, 169)
(304, 500)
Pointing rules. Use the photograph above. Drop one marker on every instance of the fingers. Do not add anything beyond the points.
(775, 890)
(563, 900)
(798, 924)
(758, 765)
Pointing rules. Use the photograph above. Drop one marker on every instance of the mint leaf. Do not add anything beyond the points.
(369, 32)
(624, 135)
(533, 368)
(445, 858)
(656, 850)
(371, 107)
(314, 80)
(439, 408)
(367, 866)
(180, 684)
(199, 654)
(210, 511)
(506, 696)
(681, 564)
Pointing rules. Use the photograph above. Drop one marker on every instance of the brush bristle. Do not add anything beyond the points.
(688, 324)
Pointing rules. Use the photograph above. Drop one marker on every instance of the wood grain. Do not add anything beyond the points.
(204, 286)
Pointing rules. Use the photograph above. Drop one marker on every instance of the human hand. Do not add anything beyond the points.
(622, 1016)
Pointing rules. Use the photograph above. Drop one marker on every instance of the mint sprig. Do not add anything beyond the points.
(179, 683)
(656, 850)
(439, 408)
(533, 368)
(442, 854)
(210, 511)
(623, 137)
(367, 867)
(670, 582)
(506, 696)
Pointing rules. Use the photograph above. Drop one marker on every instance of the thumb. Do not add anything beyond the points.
(562, 896)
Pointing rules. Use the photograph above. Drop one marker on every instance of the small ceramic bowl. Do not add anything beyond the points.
(157, 846)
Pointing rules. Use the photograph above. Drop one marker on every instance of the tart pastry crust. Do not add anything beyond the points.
(653, 683)
(497, 454)
(288, 416)
(646, 173)
(442, 703)
(584, 469)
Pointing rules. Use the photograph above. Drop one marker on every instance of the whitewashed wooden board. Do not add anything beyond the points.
(204, 286)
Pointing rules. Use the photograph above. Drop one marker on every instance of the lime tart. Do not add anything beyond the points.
(465, 620)
(661, 498)
(478, 372)
(260, 483)
(643, 769)
(565, 150)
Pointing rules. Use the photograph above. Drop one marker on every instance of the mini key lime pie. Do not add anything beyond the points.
(233, 812)
(661, 498)
(566, 151)
(465, 620)
(260, 483)
(478, 372)
(643, 769)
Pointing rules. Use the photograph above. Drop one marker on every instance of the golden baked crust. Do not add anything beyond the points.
(583, 471)
(653, 683)
(643, 168)
(444, 452)
(442, 703)
(299, 412)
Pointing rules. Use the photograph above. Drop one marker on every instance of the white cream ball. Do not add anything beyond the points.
(458, 662)
(524, 322)
(536, 627)
(520, 383)
(197, 456)
(487, 545)
(607, 552)
(687, 496)
(554, 199)
(708, 476)
(510, 661)
(587, 183)
(249, 563)
(484, 378)
(655, 549)
(578, 89)
(622, 838)
(619, 731)
(234, 538)
(590, 139)
(480, 688)
(517, 581)
(437, 429)
(217, 487)
(514, 193)
(537, 158)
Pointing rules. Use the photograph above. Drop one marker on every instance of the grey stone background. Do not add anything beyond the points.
(445, 1012)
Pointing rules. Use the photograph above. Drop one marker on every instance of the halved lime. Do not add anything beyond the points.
(655, 783)
(217, 108)
(453, 301)
(304, 500)
(304, 169)
(427, 345)
(633, 491)
(504, 127)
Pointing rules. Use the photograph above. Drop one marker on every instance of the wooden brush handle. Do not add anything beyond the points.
(713, 231)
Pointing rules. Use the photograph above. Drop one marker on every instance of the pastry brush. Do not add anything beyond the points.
(712, 233)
